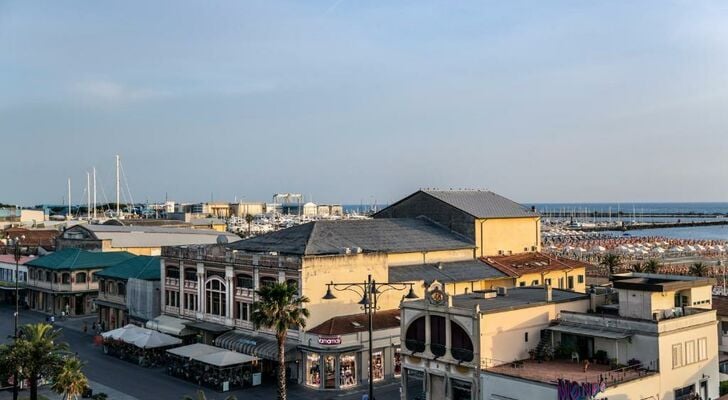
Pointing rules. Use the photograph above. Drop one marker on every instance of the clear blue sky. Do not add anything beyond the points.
(349, 100)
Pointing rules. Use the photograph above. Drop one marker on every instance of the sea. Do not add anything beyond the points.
(650, 212)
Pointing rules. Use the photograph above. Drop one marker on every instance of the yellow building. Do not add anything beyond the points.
(648, 336)
(495, 224)
(536, 269)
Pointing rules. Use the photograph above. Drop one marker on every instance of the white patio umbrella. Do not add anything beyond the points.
(153, 339)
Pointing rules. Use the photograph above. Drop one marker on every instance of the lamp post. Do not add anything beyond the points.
(369, 292)
(17, 255)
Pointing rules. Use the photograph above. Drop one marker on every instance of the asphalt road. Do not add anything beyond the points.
(144, 383)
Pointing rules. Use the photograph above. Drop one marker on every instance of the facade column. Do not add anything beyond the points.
(448, 336)
(200, 290)
(229, 294)
(162, 277)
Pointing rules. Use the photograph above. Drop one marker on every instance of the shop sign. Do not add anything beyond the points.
(570, 390)
(329, 340)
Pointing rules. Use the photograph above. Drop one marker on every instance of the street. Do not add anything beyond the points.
(125, 381)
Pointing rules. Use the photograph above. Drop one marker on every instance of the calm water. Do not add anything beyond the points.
(719, 232)
(628, 208)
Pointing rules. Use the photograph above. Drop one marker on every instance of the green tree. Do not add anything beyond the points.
(637, 267)
(698, 269)
(11, 357)
(69, 379)
(652, 266)
(201, 396)
(611, 261)
(42, 354)
(279, 308)
(249, 219)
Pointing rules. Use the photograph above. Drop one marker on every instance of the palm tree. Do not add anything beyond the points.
(698, 269)
(637, 267)
(279, 308)
(652, 266)
(42, 353)
(249, 219)
(611, 261)
(11, 357)
(201, 396)
(69, 380)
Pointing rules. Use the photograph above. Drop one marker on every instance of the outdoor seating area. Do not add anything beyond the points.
(552, 371)
(138, 345)
(213, 367)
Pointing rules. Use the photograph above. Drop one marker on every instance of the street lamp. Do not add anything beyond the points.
(369, 292)
(17, 255)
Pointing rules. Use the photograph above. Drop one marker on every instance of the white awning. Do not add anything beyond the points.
(170, 325)
(194, 350)
(224, 358)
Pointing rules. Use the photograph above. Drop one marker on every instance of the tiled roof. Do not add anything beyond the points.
(457, 271)
(70, 259)
(139, 267)
(481, 203)
(354, 323)
(34, 237)
(526, 263)
(373, 235)
(10, 259)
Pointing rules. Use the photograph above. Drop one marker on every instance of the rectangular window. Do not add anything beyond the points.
(526, 337)
(580, 279)
(534, 282)
(690, 352)
(570, 281)
(522, 284)
(190, 302)
(677, 356)
(702, 349)
(547, 281)
(243, 311)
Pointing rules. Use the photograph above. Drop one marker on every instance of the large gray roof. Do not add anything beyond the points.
(456, 271)
(515, 298)
(481, 203)
(373, 235)
(153, 236)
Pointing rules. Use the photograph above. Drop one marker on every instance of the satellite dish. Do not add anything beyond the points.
(222, 239)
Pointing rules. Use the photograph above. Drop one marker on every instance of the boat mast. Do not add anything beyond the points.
(69, 199)
(118, 211)
(94, 192)
(88, 195)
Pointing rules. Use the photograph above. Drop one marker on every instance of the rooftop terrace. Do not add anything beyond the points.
(551, 371)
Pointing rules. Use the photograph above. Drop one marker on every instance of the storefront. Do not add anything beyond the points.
(335, 354)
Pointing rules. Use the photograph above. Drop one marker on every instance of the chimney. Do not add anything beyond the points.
(549, 293)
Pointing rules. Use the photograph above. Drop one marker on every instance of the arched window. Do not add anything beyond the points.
(437, 335)
(121, 288)
(244, 281)
(215, 297)
(65, 277)
(191, 274)
(415, 336)
(172, 272)
(462, 346)
(81, 277)
(267, 281)
(293, 283)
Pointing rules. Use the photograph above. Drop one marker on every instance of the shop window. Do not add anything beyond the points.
(437, 335)
(81, 277)
(415, 336)
(244, 281)
(378, 368)
(397, 363)
(684, 393)
(172, 272)
(191, 274)
(215, 297)
(313, 368)
(462, 346)
(267, 281)
(347, 370)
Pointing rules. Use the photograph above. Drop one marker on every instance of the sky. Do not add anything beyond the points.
(360, 101)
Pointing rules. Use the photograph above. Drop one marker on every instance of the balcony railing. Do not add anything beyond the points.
(414, 346)
(244, 292)
(171, 282)
(190, 284)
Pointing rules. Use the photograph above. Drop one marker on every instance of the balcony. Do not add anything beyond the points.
(438, 350)
(190, 285)
(414, 346)
(244, 292)
(464, 355)
(171, 282)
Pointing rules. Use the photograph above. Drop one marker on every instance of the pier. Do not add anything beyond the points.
(648, 225)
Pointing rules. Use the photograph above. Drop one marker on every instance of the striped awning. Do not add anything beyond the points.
(260, 346)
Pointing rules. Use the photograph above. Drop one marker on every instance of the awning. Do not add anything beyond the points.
(170, 325)
(265, 347)
(110, 304)
(207, 326)
(224, 358)
(194, 350)
(590, 331)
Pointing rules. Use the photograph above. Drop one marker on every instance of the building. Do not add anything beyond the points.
(66, 281)
(535, 269)
(495, 224)
(650, 336)
(31, 239)
(215, 224)
(7, 278)
(139, 240)
(334, 357)
(329, 210)
(241, 209)
(720, 305)
(129, 292)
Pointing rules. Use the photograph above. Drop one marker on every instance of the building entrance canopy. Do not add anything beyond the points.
(255, 345)
(582, 330)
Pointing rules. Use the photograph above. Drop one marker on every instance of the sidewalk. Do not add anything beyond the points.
(49, 393)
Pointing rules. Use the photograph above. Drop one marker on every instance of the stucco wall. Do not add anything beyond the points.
(416, 258)
(507, 235)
